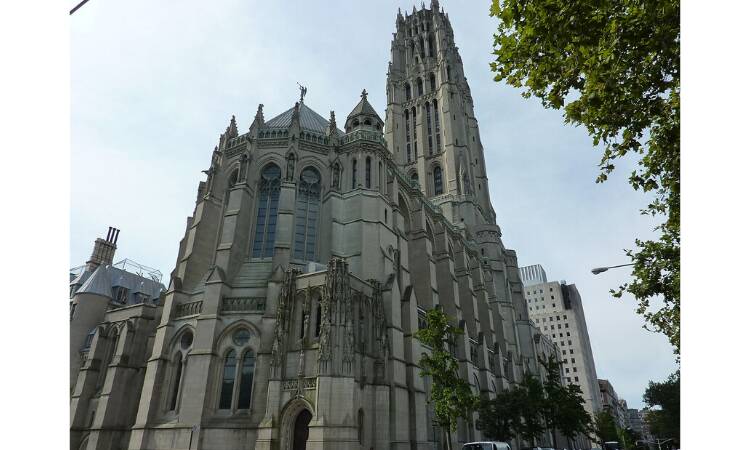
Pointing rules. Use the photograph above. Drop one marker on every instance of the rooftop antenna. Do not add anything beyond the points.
(302, 92)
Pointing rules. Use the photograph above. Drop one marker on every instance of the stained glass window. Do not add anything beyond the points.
(306, 214)
(268, 206)
(246, 380)
(227, 380)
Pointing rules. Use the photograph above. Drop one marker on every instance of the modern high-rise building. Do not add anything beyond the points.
(557, 309)
(309, 262)
(533, 274)
(612, 403)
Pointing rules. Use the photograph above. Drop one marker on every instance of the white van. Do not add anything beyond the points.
(486, 446)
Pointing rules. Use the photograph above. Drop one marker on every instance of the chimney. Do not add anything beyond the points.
(104, 250)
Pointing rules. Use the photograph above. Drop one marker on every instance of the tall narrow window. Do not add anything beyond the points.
(306, 214)
(354, 174)
(227, 380)
(318, 317)
(448, 72)
(414, 129)
(420, 86)
(380, 175)
(437, 123)
(429, 127)
(176, 382)
(246, 380)
(268, 205)
(408, 137)
(432, 82)
(408, 91)
(368, 170)
(414, 180)
(437, 174)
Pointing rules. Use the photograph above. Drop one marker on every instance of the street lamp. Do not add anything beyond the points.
(598, 270)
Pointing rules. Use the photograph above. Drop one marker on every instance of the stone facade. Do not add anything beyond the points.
(308, 264)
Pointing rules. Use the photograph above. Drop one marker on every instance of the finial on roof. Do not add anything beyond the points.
(422, 5)
(435, 4)
(232, 128)
(364, 94)
(414, 9)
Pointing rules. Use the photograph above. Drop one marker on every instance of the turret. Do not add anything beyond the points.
(363, 117)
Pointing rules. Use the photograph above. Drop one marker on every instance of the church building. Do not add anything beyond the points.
(313, 253)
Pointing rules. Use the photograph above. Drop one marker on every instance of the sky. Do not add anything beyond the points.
(153, 84)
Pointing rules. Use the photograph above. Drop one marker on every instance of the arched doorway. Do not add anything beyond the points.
(301, 430)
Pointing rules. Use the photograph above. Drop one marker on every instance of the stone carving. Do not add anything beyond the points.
(243, 304)
(188, 309)
(244, 164)
(286, 297)
(290, 167)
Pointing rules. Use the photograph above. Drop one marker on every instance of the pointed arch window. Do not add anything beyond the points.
(306, 214)
(176, 382)
(437, 175)
(227, 380)
(437, 123)
(237, 373)
(368, 172)
(354, 174)
(246, 380)
(415, 180)
(420, 86)
(429, 126)
(414, 129)
(408, 137)
(407, 87)
(432, 79)
(269, 187)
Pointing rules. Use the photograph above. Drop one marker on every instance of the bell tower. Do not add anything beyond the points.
(430, 125)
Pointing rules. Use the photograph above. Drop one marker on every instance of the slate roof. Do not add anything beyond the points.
(105, 279)
(364, 107)
(309, 120)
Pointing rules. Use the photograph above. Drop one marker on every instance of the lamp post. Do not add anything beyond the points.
(598, 270)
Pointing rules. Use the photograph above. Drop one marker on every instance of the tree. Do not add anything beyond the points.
(604, 428)
(563, 408)
(514, 412)
(613, 67)
(450, 395)
(663, 401)
(498, 416)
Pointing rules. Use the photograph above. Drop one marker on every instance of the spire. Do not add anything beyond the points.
(332, 124)
(232, 128)
(434, 4)
(259, 115)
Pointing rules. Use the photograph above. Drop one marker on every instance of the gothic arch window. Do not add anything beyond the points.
(229, 373)
(420, 86)
(354, 174)
(414, 129)
(414, 180)
(269, 187)
(431, 42)
(437, 123)
(336, 178)
(179, 361)
(437, 175)
(408, 137)
(429, 126)
(306, 214)
(238, 370)
(408, 91)
(448, 72)
(368, 172)
(318, 318)
(477, 385)
(432, 80)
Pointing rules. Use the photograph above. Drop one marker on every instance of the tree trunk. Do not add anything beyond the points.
(450, 439)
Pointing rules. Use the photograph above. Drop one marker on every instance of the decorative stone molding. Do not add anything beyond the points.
(188, 309)
(243, 304)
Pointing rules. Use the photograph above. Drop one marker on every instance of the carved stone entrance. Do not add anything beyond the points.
(301, 430)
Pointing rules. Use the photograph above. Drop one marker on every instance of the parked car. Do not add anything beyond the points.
(486, 445)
